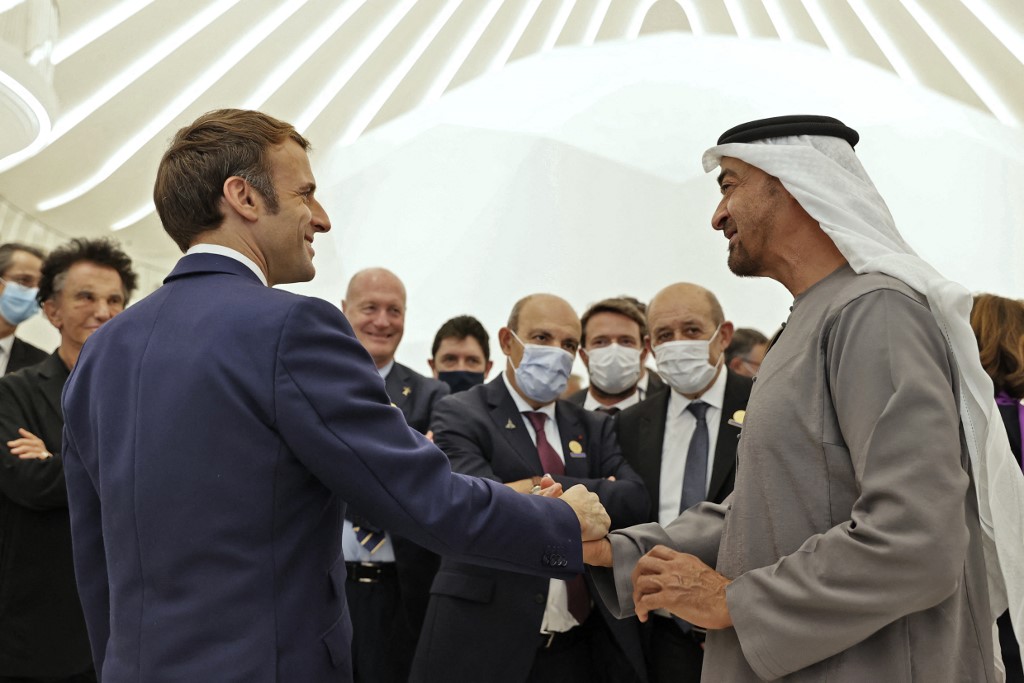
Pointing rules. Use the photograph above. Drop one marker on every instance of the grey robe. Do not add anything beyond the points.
(852, 535)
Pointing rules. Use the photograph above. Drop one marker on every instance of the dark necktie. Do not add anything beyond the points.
(549, 459)
(576, 587)
(608, 410)
(695, 475)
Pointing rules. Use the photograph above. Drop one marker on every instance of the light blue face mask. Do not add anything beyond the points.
(543, 372)
(18, 302)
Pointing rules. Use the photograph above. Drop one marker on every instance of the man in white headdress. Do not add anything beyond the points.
(874, 483)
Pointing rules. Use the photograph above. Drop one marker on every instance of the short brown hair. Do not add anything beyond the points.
(619, 305)
(218, 145)
(998, 324)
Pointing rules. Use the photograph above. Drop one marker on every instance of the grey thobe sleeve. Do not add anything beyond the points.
(903, 550)
(697, 532)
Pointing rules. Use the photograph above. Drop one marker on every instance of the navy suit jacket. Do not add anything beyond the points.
(213, 434)
(483, 624)
(641, 431)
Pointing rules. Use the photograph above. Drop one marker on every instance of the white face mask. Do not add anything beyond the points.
(543, 372)
(684, 364)
(614, 369)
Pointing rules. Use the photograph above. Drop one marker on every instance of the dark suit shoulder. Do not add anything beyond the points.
(737, 386)
(24, 355)
(654, 405)
(578, 397)
(419, 381)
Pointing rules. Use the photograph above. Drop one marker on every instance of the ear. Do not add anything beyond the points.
(644, 350)
(430, 362)
(725, 336)
(585, 358)
(343, 310)
(52, 312)
(505, 340)
(647, 346)
(487, 368)
(735, 364)
(242, 199)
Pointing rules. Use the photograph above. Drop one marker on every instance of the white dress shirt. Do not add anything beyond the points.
(680, 424)
(230, 253)
(6, 344)
(557, 617)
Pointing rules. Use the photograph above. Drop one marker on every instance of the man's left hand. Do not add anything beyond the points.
(683, 585)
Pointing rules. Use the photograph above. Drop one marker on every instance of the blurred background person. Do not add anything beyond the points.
(746, 351)
(461, 353)
(83, 284)
(20, 270)
(683, 442)
(388, 576)
(613, 351)
(998, 324)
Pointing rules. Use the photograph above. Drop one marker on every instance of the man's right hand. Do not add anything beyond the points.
(594, 520)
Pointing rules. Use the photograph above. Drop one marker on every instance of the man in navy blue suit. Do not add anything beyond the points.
(215, 431)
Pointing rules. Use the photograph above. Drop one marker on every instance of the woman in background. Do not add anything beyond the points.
(998, 324)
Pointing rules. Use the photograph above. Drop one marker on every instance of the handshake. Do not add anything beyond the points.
(594, 520)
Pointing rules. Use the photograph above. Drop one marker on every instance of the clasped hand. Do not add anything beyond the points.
(677, 582)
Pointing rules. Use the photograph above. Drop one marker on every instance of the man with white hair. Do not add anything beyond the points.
(860, 541)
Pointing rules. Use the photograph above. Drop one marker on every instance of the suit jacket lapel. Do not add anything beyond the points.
(397, 386)
(725, 449)
(570, 430)
(652, 439)
(509, 421)
(52, 376)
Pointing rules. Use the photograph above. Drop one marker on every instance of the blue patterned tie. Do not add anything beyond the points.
(696, 474)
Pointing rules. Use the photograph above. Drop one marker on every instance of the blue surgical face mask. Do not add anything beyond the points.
(543, 373)
(460, 380)
(18, 302)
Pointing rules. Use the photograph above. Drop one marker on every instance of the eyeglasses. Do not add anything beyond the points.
(26, 280)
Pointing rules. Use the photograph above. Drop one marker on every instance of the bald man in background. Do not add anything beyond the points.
(388, 576)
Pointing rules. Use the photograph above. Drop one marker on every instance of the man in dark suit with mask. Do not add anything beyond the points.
(683, 442)
(20, 270)
(388, 576)
(461, 354)
(491, 625)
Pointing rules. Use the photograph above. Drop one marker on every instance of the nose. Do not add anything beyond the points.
(720, 216)
(380, 319)
(103, 311)
(321, 223)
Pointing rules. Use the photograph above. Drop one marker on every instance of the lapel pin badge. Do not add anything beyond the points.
(576, 449)
(406, 391)
(510, 424)
(737, 419)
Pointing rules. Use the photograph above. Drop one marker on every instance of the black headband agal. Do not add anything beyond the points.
(783, 126)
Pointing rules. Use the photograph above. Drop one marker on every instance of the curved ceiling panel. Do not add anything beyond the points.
(128, 73)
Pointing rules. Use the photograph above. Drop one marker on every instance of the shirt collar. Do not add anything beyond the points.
(714, 397)
(521, 405)
(6, 344)
(386, 370)
(220, 250)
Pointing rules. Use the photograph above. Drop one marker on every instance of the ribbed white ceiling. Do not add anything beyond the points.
(128, 73)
